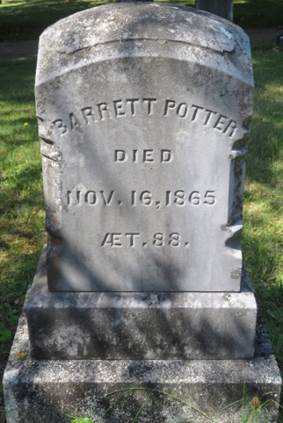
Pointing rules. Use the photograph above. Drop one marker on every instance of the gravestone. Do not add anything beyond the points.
(148, 168)
(142, 113)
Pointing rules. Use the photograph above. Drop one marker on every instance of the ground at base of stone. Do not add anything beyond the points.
(125, 391)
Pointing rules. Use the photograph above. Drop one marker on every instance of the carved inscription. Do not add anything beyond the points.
(134, 239)
(148, 107)
(143, 156)
(90, 195)
(143, 144)
(177, 198)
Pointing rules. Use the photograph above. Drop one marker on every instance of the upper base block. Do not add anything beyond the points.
(125, 391)
(137, 326)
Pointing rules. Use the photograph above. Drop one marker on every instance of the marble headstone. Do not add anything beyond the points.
(142, 143)
(142, 112)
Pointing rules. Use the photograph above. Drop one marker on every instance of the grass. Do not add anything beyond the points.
(263, 234)
(21, 207)
(26, 19)
(258, 13)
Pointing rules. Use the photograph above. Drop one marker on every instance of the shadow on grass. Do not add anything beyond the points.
(266, 144)
(263, 234)
(21, 222)
(264, 168)
(26, 20)
(258, 13)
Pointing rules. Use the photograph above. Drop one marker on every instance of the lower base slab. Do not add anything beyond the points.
(127, 391)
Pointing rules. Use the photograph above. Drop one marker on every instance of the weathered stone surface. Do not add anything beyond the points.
(142, 114)
(139, 325)
(142, 111)
(155, 391)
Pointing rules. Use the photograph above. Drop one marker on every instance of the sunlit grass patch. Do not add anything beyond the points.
(263, 210)
(21, 208)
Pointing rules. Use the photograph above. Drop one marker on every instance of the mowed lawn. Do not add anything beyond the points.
(22, 217)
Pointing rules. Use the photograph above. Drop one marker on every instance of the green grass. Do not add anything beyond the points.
(21, 208)
(258, 13)
(22, 232)
(26, 19)
(263, 233)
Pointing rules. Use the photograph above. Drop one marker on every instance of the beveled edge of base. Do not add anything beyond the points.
(39, 296)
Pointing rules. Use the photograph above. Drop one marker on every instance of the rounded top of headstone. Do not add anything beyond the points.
(137, 22)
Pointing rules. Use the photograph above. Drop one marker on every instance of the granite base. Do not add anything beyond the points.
(139, 326)
(124, 391)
